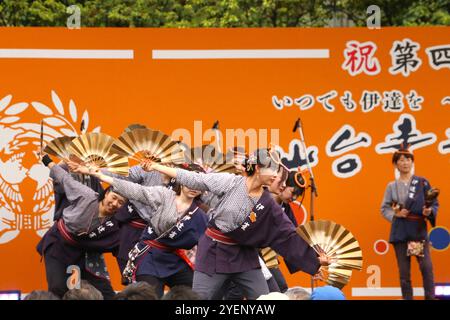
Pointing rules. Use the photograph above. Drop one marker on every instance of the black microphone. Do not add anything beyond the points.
(216, 125)
(42, 137)
(296, 125)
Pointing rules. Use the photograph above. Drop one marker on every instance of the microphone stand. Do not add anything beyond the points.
(298, 126)
(41, 139)
(216, 129)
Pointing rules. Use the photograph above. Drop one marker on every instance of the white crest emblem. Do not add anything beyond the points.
(26, 191)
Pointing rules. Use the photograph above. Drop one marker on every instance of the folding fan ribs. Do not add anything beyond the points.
(210, 159)
(58, 147)
(270, 257)
(336, 242)
(94, 149)
(144, 144)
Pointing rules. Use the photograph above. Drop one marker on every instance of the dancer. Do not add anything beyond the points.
(85, 230)
(244, 219)
(175, 223)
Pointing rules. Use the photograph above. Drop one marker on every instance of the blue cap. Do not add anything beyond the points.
(327, 293)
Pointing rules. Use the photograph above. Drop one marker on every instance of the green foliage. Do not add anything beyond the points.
(221, 13)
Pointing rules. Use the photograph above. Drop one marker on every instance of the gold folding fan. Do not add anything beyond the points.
(209, 158)
(94, 149)
(336, 242)
(58, 147)
(145, 144)
(336, 276)
(270, 257)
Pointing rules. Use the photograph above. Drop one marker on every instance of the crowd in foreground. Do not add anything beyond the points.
(144, 291)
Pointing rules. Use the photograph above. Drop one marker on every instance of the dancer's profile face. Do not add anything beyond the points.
(288, 195)
(267, 176)
(279, 184)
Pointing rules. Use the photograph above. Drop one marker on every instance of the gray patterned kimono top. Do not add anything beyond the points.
(232, 204)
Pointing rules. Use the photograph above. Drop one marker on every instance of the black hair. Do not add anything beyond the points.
(296, 180)
(174, 185)
(181, 293)
(137, 291)
(41, 295)
(192, 167)
(236, 152)
(134, 126)
(284, 173)
(102, 194)
(86, 292)
(402, 152)
(261, 158)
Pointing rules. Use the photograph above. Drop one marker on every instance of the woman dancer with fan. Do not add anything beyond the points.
(408, 203)
(85, 230)
(268, 261)
(175, 223)
(244, 219)
(130, 219)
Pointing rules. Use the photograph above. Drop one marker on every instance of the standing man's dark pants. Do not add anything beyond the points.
(404, 266)
(57, 276)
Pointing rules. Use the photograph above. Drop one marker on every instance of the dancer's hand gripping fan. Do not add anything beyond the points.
(332, 240)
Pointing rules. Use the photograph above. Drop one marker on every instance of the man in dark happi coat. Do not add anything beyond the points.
(85, 230)
(405, 207)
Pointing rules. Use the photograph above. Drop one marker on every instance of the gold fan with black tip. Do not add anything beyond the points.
(143, 144)
(94, 149)
(58, 147)
(336, 242)
(430, 196)
(210, 159)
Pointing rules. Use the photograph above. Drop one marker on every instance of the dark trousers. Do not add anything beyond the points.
(279, 278)
(404, 267)
(231, 291)
(122, 264)
(252, 283)
(57, 276)
(273, 285)
(182, 278)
